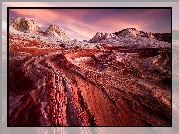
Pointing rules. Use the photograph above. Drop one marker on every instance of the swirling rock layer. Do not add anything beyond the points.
(88, 87)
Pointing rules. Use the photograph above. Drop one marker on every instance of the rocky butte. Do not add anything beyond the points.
(114, 79)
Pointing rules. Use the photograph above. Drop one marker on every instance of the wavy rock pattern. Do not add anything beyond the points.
(92, 130)
(90, 88)
(67, 83)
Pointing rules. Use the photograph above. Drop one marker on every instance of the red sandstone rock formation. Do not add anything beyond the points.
(53, 85)
(27, 25)
(134, 32)
(57, 31)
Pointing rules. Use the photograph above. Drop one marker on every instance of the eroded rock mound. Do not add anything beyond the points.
(102, 36)
(27, 25)
(56, 31)
(30, 26)
(134, 32)
(133, 38)
(127, 32)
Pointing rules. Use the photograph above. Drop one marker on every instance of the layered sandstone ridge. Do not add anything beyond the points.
(56, 82)
(29, 25)
(134, 38)
(166, 37)
(56, 31)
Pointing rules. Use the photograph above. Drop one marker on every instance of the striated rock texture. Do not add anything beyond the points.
(102, 36)
(27, 25)
(133, 38)
(134, 32)
(128, 32)
(56, 31)
(54, 85)
(131, 33)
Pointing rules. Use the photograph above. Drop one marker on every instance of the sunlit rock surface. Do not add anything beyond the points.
(59, 82)
(25, 25)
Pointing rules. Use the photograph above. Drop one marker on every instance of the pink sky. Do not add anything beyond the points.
(82, 24)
